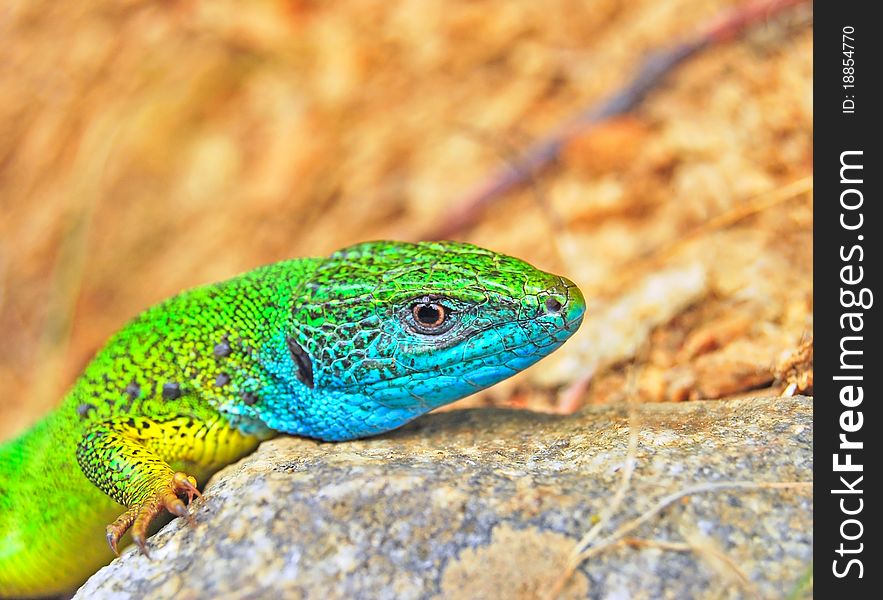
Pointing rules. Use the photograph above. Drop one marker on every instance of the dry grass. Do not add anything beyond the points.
(147, 147)
(583, 552)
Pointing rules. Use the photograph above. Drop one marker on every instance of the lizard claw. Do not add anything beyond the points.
(139, 516)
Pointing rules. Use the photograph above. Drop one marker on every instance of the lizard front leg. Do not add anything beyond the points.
(130, 459)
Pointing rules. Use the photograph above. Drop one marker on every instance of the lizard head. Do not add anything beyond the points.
(383, 332)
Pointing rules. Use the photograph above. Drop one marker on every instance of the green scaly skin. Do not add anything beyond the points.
(339, 348)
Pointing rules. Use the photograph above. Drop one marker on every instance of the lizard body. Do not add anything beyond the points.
(335, 349)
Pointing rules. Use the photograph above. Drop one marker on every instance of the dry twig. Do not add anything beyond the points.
(652, 72)
(581, 553)
(757, 205)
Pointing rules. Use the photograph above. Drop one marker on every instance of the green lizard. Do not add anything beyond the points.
(335, 349)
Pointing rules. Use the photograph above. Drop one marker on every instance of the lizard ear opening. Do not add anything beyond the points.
(302, 361)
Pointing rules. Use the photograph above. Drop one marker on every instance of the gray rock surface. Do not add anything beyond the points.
(490, 503)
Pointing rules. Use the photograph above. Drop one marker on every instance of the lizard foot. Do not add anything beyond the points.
(139, 516)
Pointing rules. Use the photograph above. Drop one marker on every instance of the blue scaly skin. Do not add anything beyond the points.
(336, 349)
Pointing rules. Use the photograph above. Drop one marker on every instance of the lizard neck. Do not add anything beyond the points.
(254, 380)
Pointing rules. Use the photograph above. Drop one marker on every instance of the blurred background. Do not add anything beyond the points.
(147, 147)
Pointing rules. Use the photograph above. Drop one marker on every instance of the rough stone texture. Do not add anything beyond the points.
(488, 504)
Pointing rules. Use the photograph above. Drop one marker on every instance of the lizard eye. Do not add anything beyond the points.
(430, 316)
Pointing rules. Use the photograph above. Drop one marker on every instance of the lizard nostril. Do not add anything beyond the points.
(553, 305)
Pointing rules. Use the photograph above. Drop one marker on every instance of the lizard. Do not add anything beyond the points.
(337, 348)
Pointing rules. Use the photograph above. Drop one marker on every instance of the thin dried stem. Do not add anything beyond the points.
(655, 67)
(763, 202)
(582, 554)
(631, 459)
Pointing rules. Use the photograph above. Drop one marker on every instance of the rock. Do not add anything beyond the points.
(490, 503)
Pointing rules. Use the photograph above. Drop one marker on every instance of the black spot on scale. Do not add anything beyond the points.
(171, 391)
(222, 379)
(249, 399)
(133, 390)
(222, 349)
(302, 361)
(84, 409)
